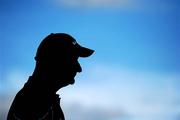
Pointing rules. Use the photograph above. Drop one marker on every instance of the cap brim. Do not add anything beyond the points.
(85, 52)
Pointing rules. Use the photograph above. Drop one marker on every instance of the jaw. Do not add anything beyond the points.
(62, 84)
(72, 82)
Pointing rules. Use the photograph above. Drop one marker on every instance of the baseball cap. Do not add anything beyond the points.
(62, 44)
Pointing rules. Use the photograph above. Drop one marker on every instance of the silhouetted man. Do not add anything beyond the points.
(56, 66)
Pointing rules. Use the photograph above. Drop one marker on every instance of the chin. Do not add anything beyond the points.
(72, 82)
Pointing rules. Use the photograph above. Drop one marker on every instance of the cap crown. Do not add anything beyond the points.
(55, 45)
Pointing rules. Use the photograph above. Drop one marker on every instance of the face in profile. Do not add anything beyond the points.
(58, 57)
(62, 71)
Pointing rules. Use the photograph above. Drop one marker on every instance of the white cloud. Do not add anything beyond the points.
(96, 3)
(111, 92)
(129, 93)
(11, 84)
(77, 111)
(14, 81)
(151, 5)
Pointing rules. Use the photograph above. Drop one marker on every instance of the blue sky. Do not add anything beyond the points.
(135, 71)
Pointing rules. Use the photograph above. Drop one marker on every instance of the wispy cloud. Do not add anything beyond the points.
(13, 81)
(96, 3)
(120, 4)
(111, 93)
(134, 94)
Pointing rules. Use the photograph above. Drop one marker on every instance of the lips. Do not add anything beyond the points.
(74, 75)
(72, 81)
(70, 78)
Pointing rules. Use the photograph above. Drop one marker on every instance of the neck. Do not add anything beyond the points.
(46, 79)
(40, 84)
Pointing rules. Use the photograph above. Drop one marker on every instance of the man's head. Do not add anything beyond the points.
(57, 56)
(60, 44)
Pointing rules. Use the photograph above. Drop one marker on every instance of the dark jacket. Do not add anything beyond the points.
(32, 103)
